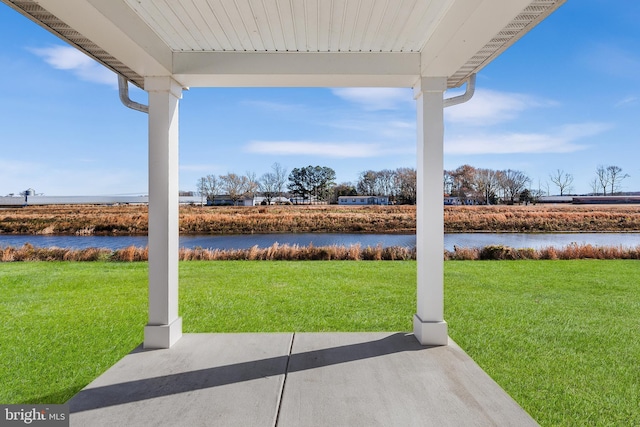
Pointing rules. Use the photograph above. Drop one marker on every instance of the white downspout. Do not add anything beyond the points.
(123, 90)
(467, 95)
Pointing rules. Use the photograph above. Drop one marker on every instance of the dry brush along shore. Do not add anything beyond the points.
(278, 252)
(133, 220)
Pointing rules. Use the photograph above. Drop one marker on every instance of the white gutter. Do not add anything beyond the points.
(123, 89)
(467, 95)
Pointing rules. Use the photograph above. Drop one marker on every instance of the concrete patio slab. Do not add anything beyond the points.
(302, 379)
(203, 380)
(382, 379)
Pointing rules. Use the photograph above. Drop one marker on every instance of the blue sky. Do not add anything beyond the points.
(566, 96)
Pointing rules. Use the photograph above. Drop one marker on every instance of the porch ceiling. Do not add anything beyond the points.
(290, 42)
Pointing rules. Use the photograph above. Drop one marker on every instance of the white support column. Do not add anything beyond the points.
(164, 327)
(429, 326)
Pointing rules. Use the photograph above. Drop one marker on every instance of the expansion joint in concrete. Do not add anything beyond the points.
(284, 381)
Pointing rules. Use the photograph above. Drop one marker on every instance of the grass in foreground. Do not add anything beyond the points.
(559, 336)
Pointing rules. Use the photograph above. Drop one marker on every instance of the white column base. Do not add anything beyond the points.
(162, 336)
(430, 333)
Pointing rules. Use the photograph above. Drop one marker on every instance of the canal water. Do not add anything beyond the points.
(468, 240)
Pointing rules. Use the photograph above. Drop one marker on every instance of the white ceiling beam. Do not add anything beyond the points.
(465, 29)
(196, 69)
(114, 27)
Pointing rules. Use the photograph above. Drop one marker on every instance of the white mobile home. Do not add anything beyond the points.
(363, 200)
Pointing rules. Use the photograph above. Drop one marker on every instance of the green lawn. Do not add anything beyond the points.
(560, 336)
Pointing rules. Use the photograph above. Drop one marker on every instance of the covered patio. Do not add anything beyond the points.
(166, 46)
(301, 379)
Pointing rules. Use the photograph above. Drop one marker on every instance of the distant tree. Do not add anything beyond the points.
(513, 182)
(201, 188)
(312, 181)
(272, 183)
(385, 182)
(300, 183)
(615, 178)
(209, 186)
(536, 194)
(235, 186)
(405, 182)
(486, 182)
(342, 189)
(602, 176)
(525, 196)
(562, 180)
(595, 186)
(324, 178)
(367, 183)
(377, 183)
(268, 186)
(280, 177)
(253, 185)
(463, 181)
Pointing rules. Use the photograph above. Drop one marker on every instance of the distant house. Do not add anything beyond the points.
(458, 201)
(259, 200)
(363, 200)
(226, 200)
(311, 200)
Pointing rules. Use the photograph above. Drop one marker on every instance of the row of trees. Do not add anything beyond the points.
(609, 179)
(487, 186)
(309, 184)
(317, 183)
(399, 185)
(491, 186)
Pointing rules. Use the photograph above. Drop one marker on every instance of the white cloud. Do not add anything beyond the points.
(71, 59)
(488, 107)
(323, 149)
(629, 101)
(562, 141)
(375, 98)
(611, 59)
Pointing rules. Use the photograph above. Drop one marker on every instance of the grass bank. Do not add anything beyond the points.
(559, 336)
(131, 220)
(277, 252)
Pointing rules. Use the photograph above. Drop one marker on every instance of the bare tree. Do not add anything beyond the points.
(486, 183)
(463, 177)
(595, 186)
(562, 180)
(269, 186)
(406, 182)
(209, 186)
(513, 182)
(236, 186)
(602, 176)
(385, 182)
(367, 183)
(252, 185)
(202, 189)
(280, 177)
(615, 178)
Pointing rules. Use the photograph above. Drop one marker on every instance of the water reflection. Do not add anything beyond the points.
(516, 240)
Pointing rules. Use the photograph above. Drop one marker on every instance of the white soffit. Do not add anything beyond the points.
(290, 42)
(292, 26)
